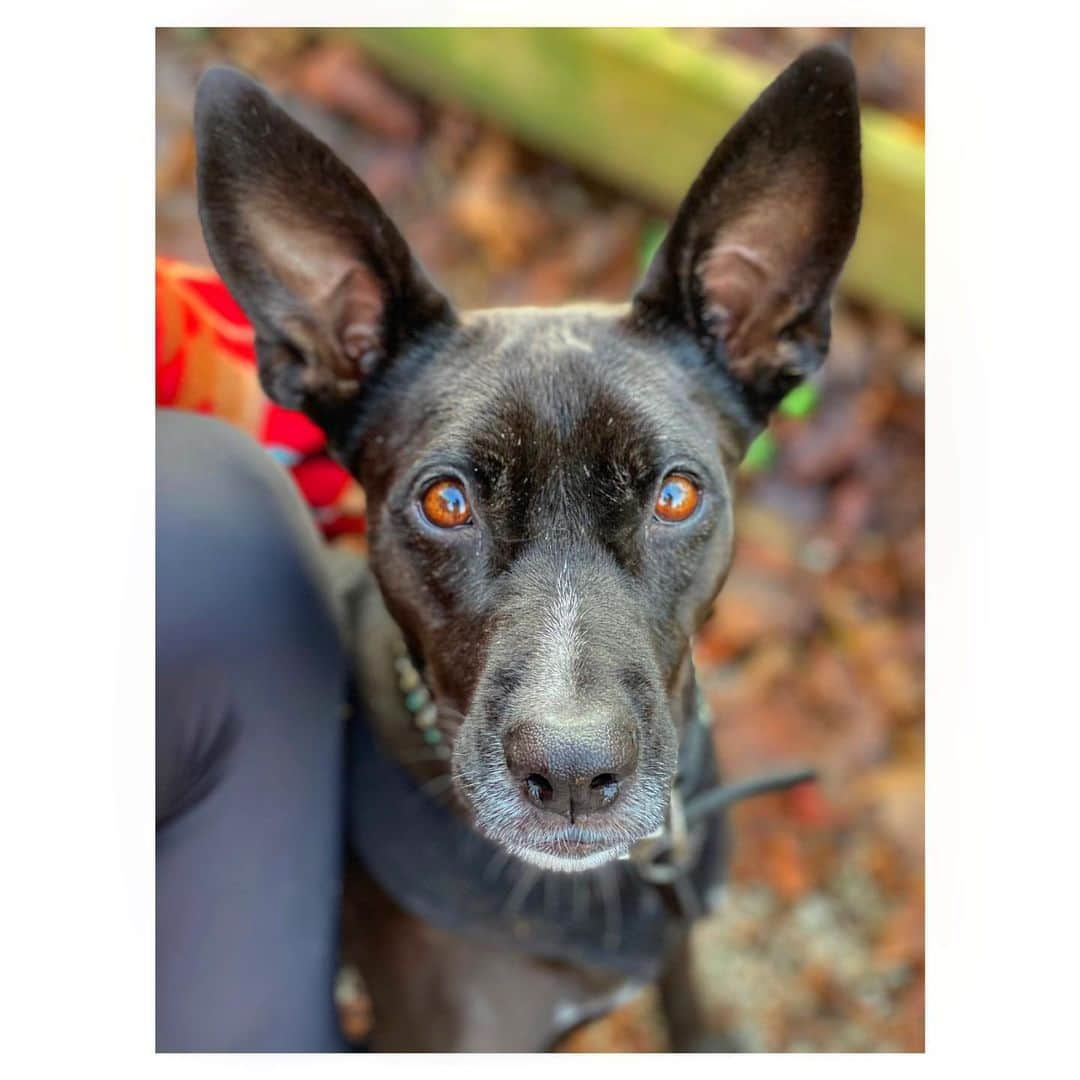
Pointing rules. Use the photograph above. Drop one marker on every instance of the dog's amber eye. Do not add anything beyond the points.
(445, 504)
(678, 499)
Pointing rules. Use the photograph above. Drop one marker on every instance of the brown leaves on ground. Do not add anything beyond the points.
(635, 1027)
(815, 654)
(490, 208)
(334, 75)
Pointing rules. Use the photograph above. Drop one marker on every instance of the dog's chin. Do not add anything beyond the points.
(570, 859)
(568, 850)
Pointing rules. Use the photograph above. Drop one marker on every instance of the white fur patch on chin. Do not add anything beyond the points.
(569, 864)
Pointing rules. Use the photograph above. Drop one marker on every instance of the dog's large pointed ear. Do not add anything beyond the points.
(327, 281)
(750, 262)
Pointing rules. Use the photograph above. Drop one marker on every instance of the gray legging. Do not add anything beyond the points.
(251, 678)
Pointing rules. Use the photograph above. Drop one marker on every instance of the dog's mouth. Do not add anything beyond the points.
(571, 850)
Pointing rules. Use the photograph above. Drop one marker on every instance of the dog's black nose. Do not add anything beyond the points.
(571, 768)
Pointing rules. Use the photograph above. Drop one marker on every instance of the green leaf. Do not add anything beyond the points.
(761, 453)
(800, 401)
(652, 236)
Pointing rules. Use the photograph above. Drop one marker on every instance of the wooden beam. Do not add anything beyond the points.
(642, 109)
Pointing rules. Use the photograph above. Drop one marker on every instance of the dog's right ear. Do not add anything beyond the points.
(327, 281)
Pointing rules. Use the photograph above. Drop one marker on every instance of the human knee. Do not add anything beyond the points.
(239, 562)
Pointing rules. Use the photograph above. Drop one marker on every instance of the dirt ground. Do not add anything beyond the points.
(815, 651)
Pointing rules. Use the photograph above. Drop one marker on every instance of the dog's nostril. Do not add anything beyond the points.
(603, 789)
(538, 788)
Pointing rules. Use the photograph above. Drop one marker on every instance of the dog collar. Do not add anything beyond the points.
(416, 700)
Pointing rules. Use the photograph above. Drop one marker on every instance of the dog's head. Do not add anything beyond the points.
(549, 491)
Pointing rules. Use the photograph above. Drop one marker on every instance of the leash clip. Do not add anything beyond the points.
(668, 853)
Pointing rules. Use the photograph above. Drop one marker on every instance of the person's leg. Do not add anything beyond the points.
(250, 693)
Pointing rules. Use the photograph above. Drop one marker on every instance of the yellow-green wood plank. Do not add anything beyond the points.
(642, 109)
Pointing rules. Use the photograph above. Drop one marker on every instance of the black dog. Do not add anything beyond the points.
(550, 507)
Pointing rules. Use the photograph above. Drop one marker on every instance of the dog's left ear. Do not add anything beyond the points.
(328, 282)
(749, 264)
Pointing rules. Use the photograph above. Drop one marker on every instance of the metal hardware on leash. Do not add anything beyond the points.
(673, 844)
(669, 852)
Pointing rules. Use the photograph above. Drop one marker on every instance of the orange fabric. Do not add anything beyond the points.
(206, 363)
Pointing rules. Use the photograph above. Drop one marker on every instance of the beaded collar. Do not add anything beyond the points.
(416, 698)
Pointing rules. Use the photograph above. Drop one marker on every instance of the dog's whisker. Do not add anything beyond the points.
(551, 894)
(522, 887)
(579, 898)
(495, 865)
(422, 757)
(438, 787)
(450, 712)
(608, 884)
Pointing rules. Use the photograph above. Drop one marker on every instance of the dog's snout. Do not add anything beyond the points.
(571, 768)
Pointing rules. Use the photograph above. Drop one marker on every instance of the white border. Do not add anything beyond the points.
(1002, 566)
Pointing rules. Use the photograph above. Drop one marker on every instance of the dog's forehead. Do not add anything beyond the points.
(541, 385)
(578, 327)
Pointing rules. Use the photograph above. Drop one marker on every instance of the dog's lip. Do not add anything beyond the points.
(571, 847)
(571, 853)
(575, 842)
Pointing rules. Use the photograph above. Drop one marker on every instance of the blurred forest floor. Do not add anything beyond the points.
(815, 651)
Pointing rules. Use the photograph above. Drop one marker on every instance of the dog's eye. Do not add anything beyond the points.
(678, 499)
(445, 504)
